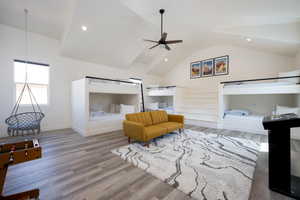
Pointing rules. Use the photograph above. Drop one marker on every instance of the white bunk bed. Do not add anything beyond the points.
(261, 88)
(161, 98)
(276, 91)
(99, 105)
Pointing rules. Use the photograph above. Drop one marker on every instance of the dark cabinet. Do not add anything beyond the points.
(279, 134)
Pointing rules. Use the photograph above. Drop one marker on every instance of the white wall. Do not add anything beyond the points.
(62, 71)
(244, 64)
(297, 60)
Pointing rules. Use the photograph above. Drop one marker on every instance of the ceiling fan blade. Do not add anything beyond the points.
(150, 41)
(154, 46)
(167, 47)
(164, 36)
(173, 41)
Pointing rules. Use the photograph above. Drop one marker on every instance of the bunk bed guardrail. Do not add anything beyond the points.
(259, 79)
(122, 81)
(162, 87)
(113, 80)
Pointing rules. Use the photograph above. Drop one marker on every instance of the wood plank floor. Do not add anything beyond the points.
(74, 167)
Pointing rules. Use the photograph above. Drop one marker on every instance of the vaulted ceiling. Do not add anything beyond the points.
(116, 28)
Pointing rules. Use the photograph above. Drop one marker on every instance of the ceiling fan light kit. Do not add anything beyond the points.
(163, 40)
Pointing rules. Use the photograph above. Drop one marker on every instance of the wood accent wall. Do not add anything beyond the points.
(197, 104)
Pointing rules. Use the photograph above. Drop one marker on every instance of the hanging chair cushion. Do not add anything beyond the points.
(27, 120)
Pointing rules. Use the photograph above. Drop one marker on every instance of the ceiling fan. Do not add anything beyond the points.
(163, 38)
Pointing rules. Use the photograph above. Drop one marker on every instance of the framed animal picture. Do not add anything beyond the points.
(207, 67)
(195, 69)
(221, 66)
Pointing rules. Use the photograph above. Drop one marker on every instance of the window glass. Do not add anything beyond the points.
(38, 79)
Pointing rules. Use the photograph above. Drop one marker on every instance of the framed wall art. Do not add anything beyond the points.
(207, 67)
(210, 67)
(195, 70)
(221, 65)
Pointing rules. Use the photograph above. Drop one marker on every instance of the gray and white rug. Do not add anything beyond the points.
(204, 166)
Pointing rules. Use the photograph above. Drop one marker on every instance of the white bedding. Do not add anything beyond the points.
(107, 117)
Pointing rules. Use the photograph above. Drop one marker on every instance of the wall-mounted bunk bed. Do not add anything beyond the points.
(99, 105)
(161, 98)
(244, 103)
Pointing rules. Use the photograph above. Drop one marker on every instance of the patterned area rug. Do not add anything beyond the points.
(204, 166)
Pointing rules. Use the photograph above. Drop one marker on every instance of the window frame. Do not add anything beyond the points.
(15, 83)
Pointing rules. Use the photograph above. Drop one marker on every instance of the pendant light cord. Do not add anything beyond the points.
(26, 43)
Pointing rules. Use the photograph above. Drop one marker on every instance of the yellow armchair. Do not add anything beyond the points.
(148, 125)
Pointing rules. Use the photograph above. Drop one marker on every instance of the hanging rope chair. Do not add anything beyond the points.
(28, 122)
(25, 122)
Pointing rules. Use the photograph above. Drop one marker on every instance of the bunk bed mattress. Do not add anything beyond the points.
(108, 122)
(107, 117)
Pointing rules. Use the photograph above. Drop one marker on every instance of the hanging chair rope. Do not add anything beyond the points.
(27, 121)
(26, 43)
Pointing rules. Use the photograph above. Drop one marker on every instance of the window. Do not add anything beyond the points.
(37, 77)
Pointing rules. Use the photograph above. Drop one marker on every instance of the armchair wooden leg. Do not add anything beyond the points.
(129, 140)
(146, 144)
(180, 130)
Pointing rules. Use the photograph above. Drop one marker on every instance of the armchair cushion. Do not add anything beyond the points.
(159, 116)
(142, 117)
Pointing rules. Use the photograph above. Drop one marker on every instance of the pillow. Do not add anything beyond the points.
(114, 108)
(153, 106)
(280, 110)
(125, 109)
(290, 73)
(117, 108)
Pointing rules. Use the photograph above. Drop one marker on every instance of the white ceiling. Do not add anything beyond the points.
(47, 17)
(116, 27)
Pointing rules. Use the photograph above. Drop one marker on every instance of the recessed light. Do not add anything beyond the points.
(166, 59)
(248, 39)
(84, 28)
